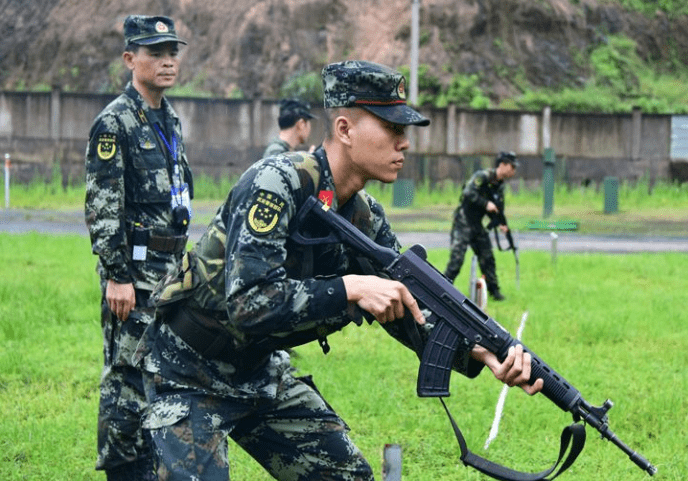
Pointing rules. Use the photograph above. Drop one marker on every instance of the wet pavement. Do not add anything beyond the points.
(51, 222)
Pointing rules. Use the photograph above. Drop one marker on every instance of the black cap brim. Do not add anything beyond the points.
(159, 39)
(398, 114)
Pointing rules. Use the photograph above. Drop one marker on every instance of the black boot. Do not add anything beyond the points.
(496, 294)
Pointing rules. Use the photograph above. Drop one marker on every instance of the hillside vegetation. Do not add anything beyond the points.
(575, 55)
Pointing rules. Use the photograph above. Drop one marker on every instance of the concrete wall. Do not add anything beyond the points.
(44, 130)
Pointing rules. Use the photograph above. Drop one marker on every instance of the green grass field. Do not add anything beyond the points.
(614, 325)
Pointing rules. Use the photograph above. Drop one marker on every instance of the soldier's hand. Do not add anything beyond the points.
(120, 298)
(383, 298)
(504, 229)
(491, 207)
(514, 371)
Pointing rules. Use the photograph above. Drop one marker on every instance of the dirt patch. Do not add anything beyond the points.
(252, 46)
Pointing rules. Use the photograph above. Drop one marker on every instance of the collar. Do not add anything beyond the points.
(326, 179)
(492, 176)
(131, 92)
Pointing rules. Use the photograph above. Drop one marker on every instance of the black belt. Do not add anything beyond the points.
(175, 244)
(204, 333)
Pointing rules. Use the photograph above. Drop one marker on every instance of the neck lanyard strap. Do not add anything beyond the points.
(171, 149)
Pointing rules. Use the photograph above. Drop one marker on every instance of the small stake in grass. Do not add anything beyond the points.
(391, 463)
(554, 238)
(472, 278)
(476, 286)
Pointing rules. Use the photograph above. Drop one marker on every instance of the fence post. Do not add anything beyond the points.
(402, 193)
(7, 180)
(548, 182)
(611, 195)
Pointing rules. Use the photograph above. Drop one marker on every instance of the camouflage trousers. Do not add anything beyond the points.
(296, 436)
(463, 234)
(121, 440)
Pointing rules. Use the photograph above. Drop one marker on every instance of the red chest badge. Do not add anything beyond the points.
(326, 197)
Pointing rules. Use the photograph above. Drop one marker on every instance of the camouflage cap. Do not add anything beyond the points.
(295, 108)
(146, 30)
(371, 86)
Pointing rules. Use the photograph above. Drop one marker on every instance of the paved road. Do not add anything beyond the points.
(20, 221)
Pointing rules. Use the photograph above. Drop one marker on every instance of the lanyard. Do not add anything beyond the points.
(171, 149)
(176, 178)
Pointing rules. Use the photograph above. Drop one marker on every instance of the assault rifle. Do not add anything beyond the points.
(496, 219)
(459, 323)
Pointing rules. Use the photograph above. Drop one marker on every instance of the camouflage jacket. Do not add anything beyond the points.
(482, 187)
(275, 147)
(128, 181)
(246, 269)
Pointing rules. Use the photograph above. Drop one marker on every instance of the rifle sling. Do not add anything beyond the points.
(573, 435)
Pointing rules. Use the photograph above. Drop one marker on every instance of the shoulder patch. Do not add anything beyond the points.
(107, 146)
(265, 212)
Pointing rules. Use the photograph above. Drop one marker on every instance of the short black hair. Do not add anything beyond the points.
(288, 120)
(506, 158)
(291, 110)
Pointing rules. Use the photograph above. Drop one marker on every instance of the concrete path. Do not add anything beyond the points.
(20, 221)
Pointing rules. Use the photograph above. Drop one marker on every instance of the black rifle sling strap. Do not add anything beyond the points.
(573, 435)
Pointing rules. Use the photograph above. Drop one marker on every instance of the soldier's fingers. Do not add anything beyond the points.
(502, 370)
(412, 305)
(534, 388)
(515, 375)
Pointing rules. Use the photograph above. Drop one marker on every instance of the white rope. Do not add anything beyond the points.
(499, 409)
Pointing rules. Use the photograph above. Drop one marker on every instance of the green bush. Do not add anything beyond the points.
(306, 86)
(672, 8)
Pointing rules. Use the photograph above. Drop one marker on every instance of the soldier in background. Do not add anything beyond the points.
(295, 126)
(481, 195)
(214, 359)
(138, 191)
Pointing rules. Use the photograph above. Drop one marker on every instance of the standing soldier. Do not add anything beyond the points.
(138, 191)
(295, 126)
(482, 195)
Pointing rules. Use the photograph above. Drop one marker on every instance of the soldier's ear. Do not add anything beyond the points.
(342, 125)
(128, 58)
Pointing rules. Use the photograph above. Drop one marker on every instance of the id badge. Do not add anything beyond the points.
(181, 198)
(140, 244)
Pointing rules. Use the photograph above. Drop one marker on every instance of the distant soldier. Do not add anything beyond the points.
(138, 191)
(295, 126)
(483, 194)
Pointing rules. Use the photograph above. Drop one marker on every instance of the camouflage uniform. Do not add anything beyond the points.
(291, 110)
(214, 359)
(275, 147)
(128, 184)
(467, 228)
